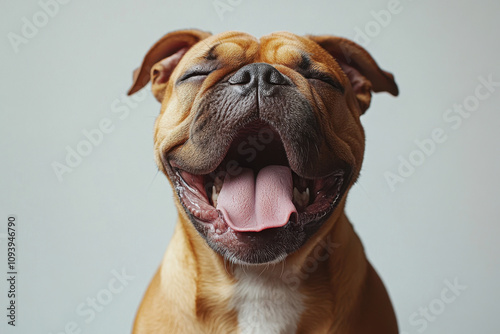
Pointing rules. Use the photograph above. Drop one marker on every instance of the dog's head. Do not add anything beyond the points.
(260, 138)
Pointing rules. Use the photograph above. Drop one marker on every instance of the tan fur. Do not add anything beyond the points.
(192, 289)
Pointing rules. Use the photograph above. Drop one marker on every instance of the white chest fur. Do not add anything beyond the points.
(265, 304)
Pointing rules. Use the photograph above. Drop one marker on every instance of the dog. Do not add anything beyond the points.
(261, 141)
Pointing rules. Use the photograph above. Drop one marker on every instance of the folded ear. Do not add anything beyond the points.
(162, 58)
(360, 68)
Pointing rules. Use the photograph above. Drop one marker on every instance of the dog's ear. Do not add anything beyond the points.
(360, 68)
(162, 58)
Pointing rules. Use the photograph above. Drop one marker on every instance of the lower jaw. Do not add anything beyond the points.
(270, 245)
(254, 248)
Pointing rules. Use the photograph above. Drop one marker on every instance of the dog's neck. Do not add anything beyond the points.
(265, 302)
(306, 285)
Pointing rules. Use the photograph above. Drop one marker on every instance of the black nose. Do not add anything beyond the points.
(262, 76)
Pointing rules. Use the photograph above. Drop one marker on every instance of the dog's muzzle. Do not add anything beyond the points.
(250, 176)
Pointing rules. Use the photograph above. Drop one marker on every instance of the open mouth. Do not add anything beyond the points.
(254, 189)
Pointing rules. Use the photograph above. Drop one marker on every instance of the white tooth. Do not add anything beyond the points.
(296, 195)
(215, 195)
(301, 199)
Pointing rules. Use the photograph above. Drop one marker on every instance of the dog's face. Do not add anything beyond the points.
(261, 139)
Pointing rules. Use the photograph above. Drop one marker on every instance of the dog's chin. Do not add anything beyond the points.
(251, 248)
(263, 238)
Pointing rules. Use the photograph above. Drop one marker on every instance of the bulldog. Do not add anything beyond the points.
(261, 141)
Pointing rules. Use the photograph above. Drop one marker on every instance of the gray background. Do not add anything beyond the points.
(113, 212)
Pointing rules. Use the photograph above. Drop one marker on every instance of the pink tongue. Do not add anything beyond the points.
(254, 204)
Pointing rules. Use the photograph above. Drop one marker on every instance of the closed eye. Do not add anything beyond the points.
(195, 73)
(326, 79)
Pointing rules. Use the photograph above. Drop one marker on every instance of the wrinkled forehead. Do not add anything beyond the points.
(278, 47)
(227, 45)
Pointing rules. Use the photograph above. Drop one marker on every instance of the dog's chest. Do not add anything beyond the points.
(266, 305)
